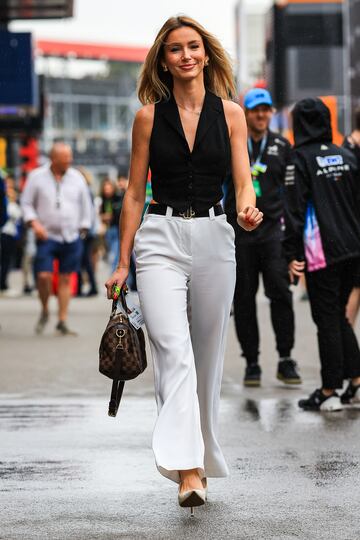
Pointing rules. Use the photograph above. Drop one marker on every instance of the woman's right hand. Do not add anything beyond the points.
(118, 278)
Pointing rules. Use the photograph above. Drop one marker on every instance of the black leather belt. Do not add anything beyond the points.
(161, 209)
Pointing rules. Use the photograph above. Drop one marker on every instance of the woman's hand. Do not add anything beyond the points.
(250, 218)
(296, 269)
(118, 278)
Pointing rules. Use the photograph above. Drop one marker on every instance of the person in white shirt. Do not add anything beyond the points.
(56, 204)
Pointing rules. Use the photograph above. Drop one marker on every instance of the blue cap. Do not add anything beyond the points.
(257, 96)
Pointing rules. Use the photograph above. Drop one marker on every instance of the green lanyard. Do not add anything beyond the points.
(256, 166)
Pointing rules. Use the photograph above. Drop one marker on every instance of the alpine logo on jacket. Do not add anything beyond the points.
(327, 161)
(331, 166)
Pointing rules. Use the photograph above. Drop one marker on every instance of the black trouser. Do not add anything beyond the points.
(8, 250)
(87, 265)
(329, 291)
(251, 259)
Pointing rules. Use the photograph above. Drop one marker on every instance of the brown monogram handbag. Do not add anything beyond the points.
(122, 354)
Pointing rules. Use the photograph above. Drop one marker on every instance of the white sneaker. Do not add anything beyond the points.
(317, 401)
(332, 403)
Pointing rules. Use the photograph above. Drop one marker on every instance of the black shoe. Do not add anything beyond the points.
(27, 289)
(63, 330)
(351, 394)
(287, 372)
(318, 402)
(252, 375)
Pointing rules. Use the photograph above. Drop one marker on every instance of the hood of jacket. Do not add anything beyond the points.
(311, 122)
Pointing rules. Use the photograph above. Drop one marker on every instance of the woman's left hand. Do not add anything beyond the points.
(250, 218)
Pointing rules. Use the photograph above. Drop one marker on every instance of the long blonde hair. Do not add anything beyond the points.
(155, 84)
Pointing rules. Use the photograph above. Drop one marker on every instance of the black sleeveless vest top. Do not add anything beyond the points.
(181, 178)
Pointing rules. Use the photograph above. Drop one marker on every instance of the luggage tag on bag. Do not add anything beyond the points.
(136, 318)
(134, 314)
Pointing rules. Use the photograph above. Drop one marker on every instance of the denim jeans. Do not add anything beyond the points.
(112, 241)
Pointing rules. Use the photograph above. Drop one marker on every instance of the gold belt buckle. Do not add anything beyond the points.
(188, 214)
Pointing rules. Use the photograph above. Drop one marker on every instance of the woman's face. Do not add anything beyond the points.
(108, 189)
(184, 53)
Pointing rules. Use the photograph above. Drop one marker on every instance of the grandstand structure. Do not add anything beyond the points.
(90, 100)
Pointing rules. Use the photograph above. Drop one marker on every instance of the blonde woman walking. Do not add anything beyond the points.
(190, 135)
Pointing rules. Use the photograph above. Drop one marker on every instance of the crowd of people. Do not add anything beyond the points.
(50, 212)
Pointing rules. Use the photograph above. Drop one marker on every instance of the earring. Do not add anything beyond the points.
(165, 68)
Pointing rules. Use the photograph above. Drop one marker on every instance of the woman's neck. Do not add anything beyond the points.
(190, 94)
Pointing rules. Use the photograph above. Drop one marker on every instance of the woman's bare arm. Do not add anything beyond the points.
(249, 217)
(134, 198)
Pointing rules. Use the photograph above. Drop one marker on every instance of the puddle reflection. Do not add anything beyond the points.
(22, 416)
(273, 413)
(270, 413)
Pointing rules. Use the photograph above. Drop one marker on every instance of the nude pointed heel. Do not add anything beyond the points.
(191, 499)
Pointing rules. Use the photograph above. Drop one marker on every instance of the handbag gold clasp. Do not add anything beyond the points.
(120, 333)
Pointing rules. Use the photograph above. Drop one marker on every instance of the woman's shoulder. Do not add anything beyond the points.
(234, 115)
(143, 123)
(231, 108)
(145, 115)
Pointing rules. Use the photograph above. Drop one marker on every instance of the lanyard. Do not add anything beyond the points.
(256, 166)
(251, 149)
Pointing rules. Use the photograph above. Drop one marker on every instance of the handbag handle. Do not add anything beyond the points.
(123, 292)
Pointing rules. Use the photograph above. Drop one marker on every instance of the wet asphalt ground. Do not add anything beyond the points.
(68, 471)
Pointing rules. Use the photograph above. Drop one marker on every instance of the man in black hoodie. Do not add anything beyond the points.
(260, 252)
(322, 237)
(352, 143)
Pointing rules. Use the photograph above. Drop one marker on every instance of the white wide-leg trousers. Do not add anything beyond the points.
(186, 279)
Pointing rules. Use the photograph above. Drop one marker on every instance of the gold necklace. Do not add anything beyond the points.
(188, 110)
